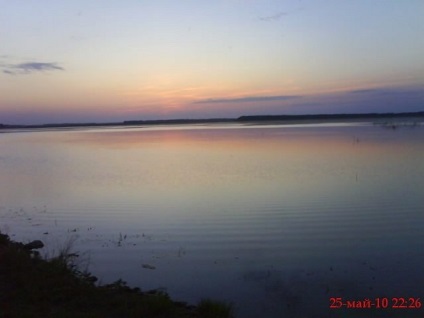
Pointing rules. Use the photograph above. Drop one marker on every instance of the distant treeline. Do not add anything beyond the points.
(242, 119)
(328, 116)
(178, 121)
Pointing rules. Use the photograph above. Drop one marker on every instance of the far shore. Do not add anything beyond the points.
(247, 120)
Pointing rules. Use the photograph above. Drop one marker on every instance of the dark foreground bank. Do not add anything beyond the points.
(31, 286)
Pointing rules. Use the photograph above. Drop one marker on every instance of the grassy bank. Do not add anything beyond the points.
(31, 286)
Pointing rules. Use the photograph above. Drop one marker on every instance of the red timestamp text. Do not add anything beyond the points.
(378, 303)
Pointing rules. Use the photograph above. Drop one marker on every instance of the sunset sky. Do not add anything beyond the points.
(103, 60)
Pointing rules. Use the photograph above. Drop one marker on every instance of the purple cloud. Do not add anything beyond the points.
(30, 67)
(247, 99)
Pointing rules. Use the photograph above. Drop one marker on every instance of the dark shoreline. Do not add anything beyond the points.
(281, 119)
(32, 286)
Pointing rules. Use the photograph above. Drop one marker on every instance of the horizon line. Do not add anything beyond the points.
(243, 118)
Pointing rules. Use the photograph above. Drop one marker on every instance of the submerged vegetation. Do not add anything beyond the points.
(31, 286)
(399, 124)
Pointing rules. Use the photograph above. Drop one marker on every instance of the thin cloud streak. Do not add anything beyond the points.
(376, 91)
(387, 91)
(248, 99)
(31, 67)
(365, 91)
(273, 17)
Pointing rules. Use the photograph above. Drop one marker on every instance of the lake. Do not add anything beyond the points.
(276, 219)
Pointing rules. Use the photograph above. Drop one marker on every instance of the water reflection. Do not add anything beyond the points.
(283, 215)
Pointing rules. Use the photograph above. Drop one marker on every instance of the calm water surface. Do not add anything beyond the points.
(275, 219)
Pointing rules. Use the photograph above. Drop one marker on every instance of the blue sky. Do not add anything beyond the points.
(84, 61)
